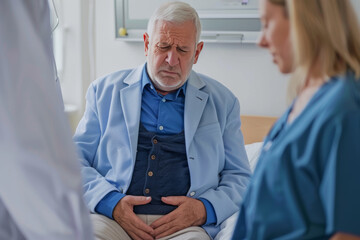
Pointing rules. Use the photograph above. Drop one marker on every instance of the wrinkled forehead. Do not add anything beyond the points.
(171, 32)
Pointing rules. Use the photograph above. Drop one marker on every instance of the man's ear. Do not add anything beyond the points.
(199, 47)
(146, 43)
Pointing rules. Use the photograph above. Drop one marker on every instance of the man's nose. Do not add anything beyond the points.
(172, 57)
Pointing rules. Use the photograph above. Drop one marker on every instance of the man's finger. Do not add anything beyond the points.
(123, 214)
(137, 229)
(168, 232)
(164, 220)
(173, 200)
(137, 200)
(138, 234)
(139, 224)
(163, 228)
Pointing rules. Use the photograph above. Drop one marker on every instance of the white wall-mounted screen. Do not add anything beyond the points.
(230, 18)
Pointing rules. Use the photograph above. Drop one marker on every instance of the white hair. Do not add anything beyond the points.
(175, 12)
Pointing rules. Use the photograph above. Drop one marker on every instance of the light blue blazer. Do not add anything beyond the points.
(107, 137)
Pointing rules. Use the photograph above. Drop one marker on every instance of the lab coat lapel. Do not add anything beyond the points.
(130, 98)
(195, 102)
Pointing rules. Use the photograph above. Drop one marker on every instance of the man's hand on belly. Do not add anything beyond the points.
(190, 212)
(124, 215)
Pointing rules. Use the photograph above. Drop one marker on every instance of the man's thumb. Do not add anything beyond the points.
(139, 200)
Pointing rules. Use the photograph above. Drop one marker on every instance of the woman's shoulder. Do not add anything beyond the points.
(342, 95)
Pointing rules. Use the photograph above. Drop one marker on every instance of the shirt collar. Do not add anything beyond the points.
(146, 81)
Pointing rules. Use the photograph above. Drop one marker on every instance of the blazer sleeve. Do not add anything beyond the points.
(235, 174)
(86, 138)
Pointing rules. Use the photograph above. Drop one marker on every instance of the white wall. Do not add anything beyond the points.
(71, 40)
(247, 70)
(68, 41)
(250, 74)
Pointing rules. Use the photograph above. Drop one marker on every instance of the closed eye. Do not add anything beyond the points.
(181, 49)
(164, 47)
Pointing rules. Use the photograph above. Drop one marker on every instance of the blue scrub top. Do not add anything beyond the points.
(307, 182)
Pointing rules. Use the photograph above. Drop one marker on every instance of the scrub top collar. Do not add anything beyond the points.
(279, 129)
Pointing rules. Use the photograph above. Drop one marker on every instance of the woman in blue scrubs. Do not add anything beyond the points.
(307, 182)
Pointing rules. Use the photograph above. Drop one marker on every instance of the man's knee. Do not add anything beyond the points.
(107, 229)
(190, 233)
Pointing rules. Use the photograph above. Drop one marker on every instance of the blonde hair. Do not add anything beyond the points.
(326, 32)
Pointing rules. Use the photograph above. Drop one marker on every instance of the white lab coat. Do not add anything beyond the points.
(40, 181)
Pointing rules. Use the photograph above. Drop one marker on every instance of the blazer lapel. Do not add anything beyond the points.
(130, 98)
(195, 102)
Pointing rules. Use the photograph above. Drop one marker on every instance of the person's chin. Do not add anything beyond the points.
(281, 69)
(165, 86)
(167, 77)
(284, 69)
(282, 65)
(169, 80)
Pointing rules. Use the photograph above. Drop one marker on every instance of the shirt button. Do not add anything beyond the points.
(153, 157)
(155, 141)
(161, 128)
(147, 191)
(163, 100)
(150, 173)
(192, 194)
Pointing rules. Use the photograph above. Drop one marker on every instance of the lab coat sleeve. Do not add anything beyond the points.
(40, 183)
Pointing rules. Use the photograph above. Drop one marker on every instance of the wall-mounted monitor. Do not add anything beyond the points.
(228, 21)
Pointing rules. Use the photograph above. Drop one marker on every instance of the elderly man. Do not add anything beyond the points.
(161, 146)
